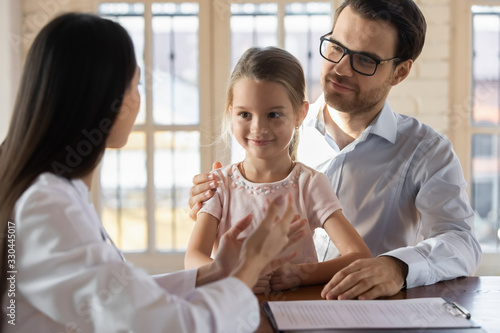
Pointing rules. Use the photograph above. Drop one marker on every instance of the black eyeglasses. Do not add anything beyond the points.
(360, 62)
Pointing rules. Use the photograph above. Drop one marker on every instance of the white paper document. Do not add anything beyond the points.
(431, 312)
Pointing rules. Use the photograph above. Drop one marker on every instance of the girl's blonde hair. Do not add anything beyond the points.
(274, 65)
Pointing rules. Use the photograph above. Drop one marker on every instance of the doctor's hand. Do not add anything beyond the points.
(286, 277)
(367, 279)
(230, 246)
(262, 286)
(204, 186)
(260, 252)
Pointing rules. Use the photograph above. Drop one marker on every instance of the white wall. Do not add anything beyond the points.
(20, 21)
(4, 68)
(10, 59)
(425, 93)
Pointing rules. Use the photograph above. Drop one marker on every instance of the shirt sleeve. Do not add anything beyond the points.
(177, 283)
(450, 248)
(321, 200)
(73, 277)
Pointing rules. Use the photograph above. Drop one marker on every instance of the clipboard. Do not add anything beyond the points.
(459, 320)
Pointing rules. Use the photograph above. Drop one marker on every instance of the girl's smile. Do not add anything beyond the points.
(263, 119)
(259, 142)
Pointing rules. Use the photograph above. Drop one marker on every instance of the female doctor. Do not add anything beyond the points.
(60, 271)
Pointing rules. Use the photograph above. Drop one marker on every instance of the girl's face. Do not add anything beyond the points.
(126, 117)
(263, 118)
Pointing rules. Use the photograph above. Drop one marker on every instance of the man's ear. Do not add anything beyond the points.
(401, 72)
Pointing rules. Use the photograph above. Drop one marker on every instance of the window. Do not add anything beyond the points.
(145, 185)
(485, 123)
(123, 171)
(304, 24)
(252, 25)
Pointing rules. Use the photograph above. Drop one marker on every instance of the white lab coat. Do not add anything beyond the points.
(70, 278)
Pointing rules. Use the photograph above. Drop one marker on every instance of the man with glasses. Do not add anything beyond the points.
(361, 62)
(399, 182)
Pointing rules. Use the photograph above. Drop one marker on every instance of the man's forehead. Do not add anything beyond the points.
(366, 35)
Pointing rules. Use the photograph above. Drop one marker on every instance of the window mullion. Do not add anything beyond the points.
(221, 69)
(281, 25)
(208, 112)
(149, 126)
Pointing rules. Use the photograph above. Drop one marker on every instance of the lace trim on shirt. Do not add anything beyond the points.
(290, 182)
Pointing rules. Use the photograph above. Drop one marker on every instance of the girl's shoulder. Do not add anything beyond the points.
(307, 171)
(308, 177)
(226, 172)
(226, 175)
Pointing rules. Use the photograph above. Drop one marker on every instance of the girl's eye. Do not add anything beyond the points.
(244, 114)
(274, 115)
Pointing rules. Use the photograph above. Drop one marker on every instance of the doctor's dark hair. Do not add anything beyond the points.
(71, 90)
(268, 64)
(404, 15)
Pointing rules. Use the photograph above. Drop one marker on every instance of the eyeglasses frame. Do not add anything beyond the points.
(350, 53)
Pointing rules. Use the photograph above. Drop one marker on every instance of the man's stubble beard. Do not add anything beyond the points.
(361, 103)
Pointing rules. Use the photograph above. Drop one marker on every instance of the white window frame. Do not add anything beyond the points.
(460, 129)
(152, 260)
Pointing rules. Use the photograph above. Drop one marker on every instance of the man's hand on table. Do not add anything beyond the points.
(285, 277)
(367, 279)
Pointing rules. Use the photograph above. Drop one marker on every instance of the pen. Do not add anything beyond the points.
(462, 311)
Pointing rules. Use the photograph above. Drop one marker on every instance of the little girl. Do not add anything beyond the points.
(265, 106)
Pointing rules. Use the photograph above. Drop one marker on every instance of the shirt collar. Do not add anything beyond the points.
(81, 188)
(384, 124)
(315, 117)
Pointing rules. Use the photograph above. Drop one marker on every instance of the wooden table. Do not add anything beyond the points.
(479, 295)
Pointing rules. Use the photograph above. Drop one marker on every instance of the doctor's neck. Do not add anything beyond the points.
(88, 179)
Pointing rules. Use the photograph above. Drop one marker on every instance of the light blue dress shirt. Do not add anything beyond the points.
(402, 187)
